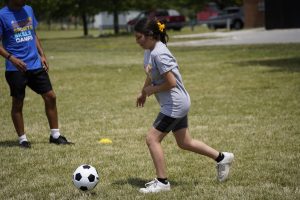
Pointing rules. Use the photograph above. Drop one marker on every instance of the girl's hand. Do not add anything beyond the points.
(149, 90)
(140, 100)
(170, 82)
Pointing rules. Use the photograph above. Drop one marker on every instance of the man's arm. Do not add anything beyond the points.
(41, 53)
(20, 65)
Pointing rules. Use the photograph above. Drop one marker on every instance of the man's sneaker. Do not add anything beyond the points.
(155, 186)
(25, 144)
(223, 166)
(60, 140)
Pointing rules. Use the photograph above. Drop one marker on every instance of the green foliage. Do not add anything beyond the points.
(57, 9)
(115, 5)
(225, 3)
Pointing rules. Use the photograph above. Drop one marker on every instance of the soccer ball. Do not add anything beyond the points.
(85, 177)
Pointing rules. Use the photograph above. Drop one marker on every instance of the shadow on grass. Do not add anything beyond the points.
(9, 143)
(277, 65)
(15, 143)
(138, 182)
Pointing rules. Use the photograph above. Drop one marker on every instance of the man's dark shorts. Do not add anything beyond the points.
(38, 80)
(165, 124)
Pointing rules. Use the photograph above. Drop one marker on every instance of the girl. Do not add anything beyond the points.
(164, 81)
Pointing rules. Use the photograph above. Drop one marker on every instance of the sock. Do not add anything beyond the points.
(55, 133)
(22, 138)
(220, 157)
(163, 180)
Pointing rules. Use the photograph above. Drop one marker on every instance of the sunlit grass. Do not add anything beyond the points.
(245, 99)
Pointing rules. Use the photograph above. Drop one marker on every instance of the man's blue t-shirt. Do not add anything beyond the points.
(17, 30)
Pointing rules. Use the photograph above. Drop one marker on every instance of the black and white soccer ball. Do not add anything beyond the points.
(85, 177)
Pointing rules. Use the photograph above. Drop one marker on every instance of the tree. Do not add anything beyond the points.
(115, 7)
(2, 3)
(57, 9)
(224, 3)
(84, 8)
(52, 9)
(191, 7)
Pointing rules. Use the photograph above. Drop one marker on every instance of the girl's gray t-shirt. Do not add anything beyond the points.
(175, 102)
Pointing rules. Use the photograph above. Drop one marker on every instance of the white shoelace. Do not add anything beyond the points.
(154, 183)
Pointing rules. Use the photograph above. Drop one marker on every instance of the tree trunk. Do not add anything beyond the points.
(116, 22)
(84, 23)
(62, 24)
(49, 24)
(76, 23)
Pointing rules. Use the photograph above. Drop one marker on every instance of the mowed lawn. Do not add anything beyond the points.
(245, 99)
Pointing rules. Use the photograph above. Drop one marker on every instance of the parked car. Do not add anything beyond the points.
(210, 10)
(230, 17)
(173, 19)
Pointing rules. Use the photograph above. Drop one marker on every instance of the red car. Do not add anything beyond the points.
(173, 19)
(210, 10)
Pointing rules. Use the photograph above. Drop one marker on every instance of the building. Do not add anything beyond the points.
(272, 14)
(282, 14)
(254, 11)
(105, 20)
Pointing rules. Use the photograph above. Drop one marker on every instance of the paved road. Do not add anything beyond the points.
(249, 36)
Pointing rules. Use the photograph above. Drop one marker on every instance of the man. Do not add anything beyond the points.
(26, 65)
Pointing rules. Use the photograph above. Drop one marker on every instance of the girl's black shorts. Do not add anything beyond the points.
(165, 124)
(38, 80)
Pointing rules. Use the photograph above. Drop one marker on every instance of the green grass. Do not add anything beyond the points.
(245, 99)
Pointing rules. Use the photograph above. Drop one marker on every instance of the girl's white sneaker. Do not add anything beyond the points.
(155, 186)
(223, 166)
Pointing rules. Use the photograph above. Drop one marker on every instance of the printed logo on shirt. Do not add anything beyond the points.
(23, 30)
(153, 74)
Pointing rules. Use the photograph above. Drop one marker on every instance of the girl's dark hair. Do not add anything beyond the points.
(152, 27)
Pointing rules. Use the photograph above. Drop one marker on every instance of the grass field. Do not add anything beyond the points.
(245, 99)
